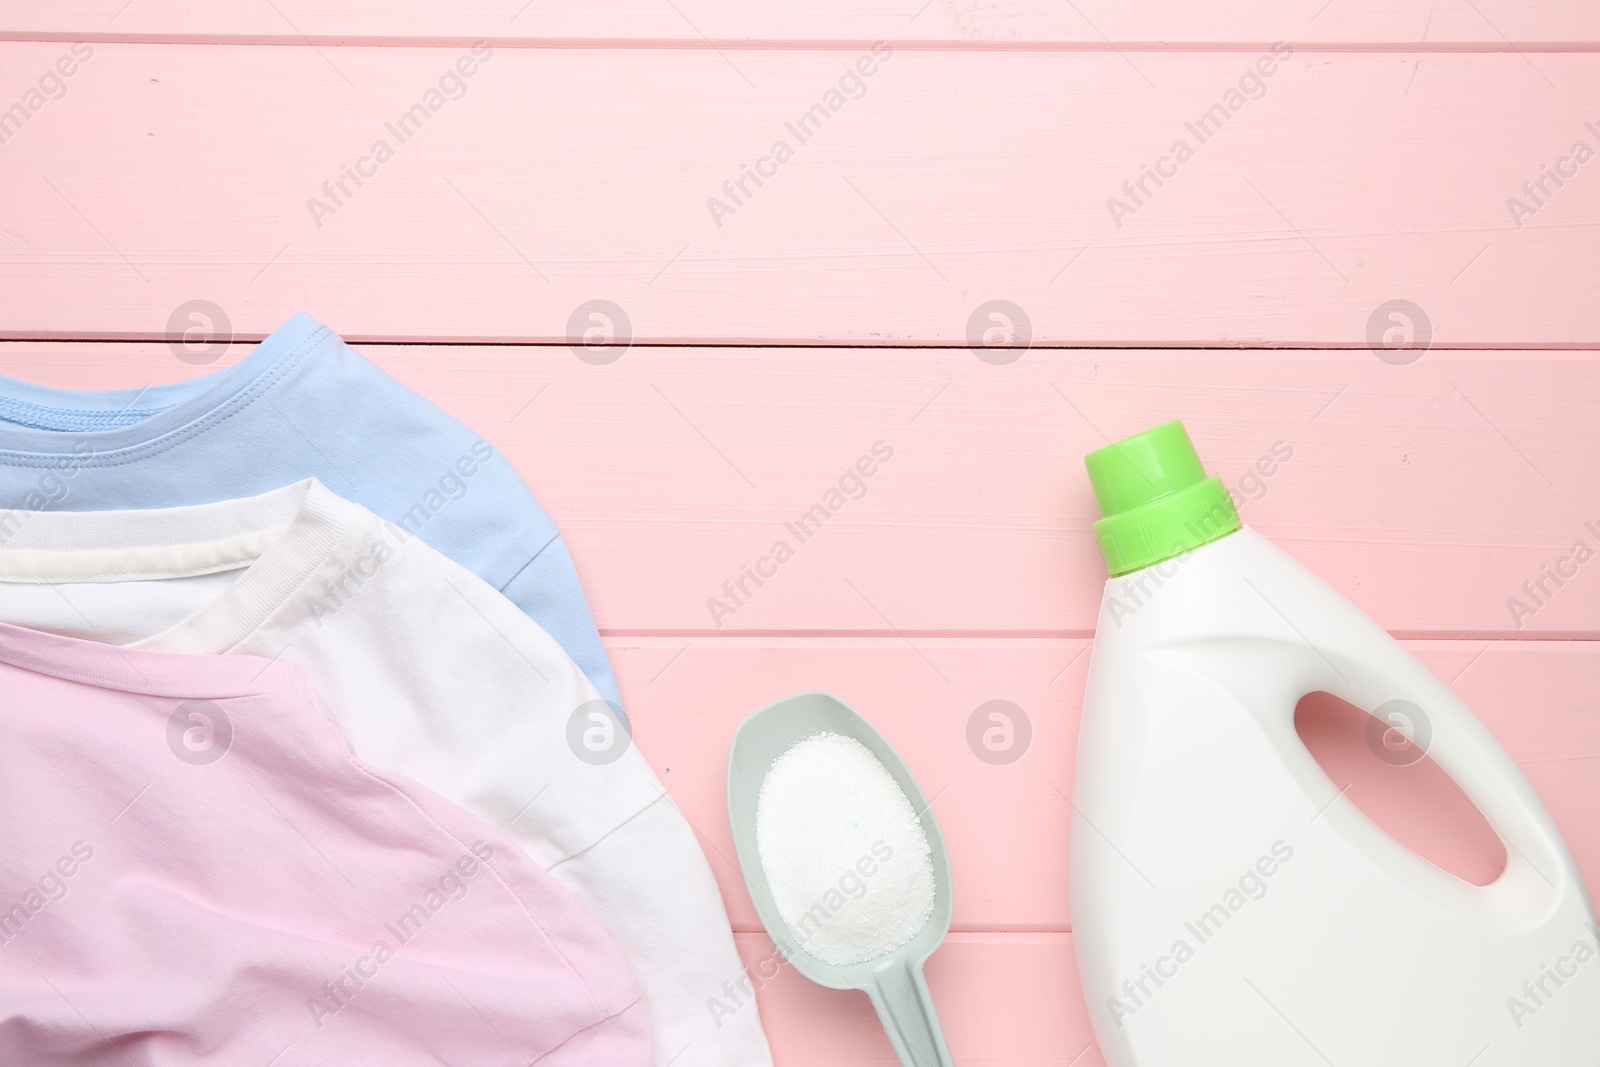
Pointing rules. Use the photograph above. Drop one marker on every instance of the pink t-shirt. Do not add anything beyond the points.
(195, 870)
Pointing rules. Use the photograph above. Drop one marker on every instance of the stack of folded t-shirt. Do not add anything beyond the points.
(314, 754)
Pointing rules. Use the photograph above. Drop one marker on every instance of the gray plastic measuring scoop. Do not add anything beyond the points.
(894, 981)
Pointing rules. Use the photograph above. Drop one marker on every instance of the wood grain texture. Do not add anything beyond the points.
(966, 23)
(170, 173)
(1426, 494)
(180, 162)
(1006, 825)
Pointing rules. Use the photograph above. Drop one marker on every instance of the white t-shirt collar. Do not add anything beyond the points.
(277, 541)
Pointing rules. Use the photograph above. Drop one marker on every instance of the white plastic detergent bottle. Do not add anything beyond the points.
(1230, 906)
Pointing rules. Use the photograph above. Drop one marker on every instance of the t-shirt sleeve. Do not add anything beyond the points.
(387, 448)
(473, 699)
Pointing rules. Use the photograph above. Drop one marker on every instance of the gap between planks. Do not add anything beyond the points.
(1581, 348)
(1459, 636)
(799, 45)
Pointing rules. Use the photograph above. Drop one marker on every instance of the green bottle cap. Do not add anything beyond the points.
(1156, 499)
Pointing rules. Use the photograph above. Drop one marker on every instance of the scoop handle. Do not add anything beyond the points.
(900, 994)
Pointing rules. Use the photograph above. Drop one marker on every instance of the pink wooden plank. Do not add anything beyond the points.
(1004, 999)
(1428, 494)
(170, 173)
(1006, 823)
(1490, 23)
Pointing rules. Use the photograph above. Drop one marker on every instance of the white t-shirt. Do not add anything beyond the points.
(429, 672)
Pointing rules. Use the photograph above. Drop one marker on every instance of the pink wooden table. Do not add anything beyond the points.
(218, 165)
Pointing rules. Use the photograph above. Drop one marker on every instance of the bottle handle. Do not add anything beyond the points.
(1402, 695)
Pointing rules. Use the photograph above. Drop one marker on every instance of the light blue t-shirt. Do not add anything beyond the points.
(302, 404)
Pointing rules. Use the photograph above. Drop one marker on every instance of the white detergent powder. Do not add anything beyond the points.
(843, 850)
